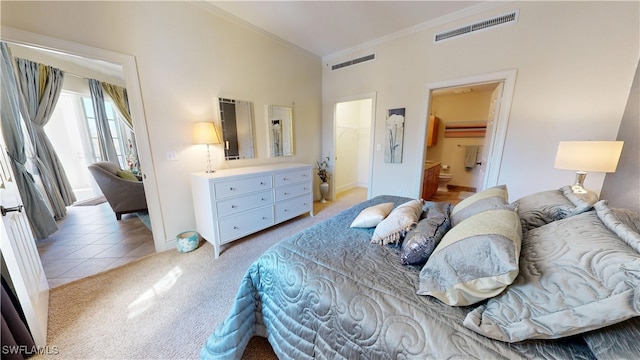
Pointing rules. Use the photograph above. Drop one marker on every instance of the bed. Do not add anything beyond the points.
(328, 292)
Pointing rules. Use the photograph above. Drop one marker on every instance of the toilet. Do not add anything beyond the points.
(443, 180)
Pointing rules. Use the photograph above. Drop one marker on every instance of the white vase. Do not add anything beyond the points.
(324, 190)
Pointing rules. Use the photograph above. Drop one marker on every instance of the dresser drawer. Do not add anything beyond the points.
(291, 208)
(242, 186)
(292, 177)
(243, 203)
(246, 223)
(288, 192)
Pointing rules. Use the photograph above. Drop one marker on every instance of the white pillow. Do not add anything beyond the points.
(372, 216)
(399, 221)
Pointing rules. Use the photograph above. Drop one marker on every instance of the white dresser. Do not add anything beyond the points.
(232, 203)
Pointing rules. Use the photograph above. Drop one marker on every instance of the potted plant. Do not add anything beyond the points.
(322, 168)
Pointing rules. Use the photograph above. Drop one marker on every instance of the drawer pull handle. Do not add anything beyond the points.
(235, 228)
(261, 182)
(285, 179)
(231, 189)
(233, 206)
(285, 194)
(261, 199)
(285, 210)
(264, 218)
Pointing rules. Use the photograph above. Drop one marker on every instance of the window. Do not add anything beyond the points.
(116, 127)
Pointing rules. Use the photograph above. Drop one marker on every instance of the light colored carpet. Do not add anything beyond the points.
(164, 306)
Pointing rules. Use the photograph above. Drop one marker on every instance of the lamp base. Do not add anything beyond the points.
(578, 189)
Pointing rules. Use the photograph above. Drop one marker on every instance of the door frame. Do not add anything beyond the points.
(130, 71)
(499, 132)
(334, 134)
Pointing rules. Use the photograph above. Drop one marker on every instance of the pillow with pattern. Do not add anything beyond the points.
(577, 274)
(420, 241)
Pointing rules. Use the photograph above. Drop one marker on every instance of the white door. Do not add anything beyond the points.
(21, 254)
(489, 138)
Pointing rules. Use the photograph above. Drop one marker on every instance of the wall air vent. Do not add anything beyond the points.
(353, 62)
(481, 25)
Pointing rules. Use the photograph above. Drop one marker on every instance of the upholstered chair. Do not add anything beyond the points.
(124, 193)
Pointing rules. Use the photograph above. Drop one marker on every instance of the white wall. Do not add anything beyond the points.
(575, 63)
(186, 57)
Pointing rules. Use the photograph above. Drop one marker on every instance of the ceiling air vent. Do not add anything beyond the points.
(481, 25)
(353, 62)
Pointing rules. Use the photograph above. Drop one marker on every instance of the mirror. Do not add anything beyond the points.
(280, 130)
(236, 122)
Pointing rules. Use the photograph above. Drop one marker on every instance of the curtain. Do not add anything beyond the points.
(40, 86)
(40, 219)
(105, 140)
(15, 332)
(119, 96)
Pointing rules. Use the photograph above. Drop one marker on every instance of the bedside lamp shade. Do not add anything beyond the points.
(205, 133)
(583, 156)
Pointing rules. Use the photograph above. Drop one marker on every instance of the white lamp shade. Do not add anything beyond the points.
(596, 156)
(205, 133)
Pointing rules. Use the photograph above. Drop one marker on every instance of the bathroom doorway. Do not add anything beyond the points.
(353, 119)
(492, 104)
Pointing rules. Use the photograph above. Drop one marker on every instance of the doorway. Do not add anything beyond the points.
(490, 157)
(126, 66)
(452, 143)
(353, 123)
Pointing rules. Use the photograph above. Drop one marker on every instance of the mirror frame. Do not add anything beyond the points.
(286, 126)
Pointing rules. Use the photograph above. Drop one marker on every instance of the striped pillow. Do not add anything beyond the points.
(476, 260)
(489, 199)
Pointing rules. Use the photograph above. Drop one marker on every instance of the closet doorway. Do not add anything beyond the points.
(353, 123)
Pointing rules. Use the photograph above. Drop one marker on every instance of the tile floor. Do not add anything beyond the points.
(90, 240)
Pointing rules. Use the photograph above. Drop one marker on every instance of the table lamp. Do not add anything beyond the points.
(583, 156)
(205, 133)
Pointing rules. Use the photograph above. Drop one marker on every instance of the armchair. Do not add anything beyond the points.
(124, 196)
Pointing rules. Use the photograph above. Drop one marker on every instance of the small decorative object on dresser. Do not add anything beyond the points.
(233, 203)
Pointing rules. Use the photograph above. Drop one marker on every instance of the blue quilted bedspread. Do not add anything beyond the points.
(328, 293)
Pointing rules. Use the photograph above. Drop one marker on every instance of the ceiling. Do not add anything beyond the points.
(326, 28)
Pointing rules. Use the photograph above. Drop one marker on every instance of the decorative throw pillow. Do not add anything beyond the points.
(475, 260)
(547, 206)
(127, 175)
(399, 221)
(420, 242)
(576, 275)
(489, 199)
(372, 216)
